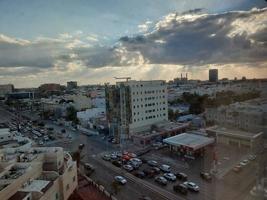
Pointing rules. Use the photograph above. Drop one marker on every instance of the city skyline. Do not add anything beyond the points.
(60, 42)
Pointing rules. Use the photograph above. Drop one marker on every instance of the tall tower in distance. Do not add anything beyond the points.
(213, 75)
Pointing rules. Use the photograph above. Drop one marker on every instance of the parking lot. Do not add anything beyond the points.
(228, 185)
(193, 174)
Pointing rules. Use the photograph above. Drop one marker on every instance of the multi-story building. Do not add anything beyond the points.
(134, 106)
(72, 85)
(6, 89)
(36, 173)
(49, 88)
(249, 115)
(213, 75)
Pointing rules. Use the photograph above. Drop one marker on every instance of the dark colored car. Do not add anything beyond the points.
(63, 131)
(181, 176)
(161, 180)
(140, 174)
(156, 170)
(181, 188)
(149, 172)
(206, 176)
(117, 163)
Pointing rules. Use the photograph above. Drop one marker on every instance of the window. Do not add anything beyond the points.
(67, 187)
(74, 178)
(57, 196)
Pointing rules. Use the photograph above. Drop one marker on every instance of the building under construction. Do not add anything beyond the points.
(133, 106)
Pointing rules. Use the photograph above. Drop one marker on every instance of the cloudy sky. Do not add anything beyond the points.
(91, 41)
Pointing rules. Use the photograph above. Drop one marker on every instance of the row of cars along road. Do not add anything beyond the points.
(242, 164)
(148, 169)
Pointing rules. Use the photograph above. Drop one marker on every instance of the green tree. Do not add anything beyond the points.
(71, 115)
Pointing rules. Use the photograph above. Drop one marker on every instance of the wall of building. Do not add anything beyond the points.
(239, 115)
(149, 103)
(69, 180)
(6, 89)
(54, 192)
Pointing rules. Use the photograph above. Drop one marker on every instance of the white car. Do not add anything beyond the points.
(152, 163)
(192, 186)
(129, 168)
(136, 160)
(165, 168)
(170, 176)
(244, 162)
(120, 179)
(252, 157)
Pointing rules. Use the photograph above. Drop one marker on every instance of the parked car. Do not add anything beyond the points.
(149, 172)
(136, 160)
(113, 156)
(140, 174)
(181, 188)
(128, 168)
(206, 176)
(161, 180)
(46, 138)
(170, 176)
(181, 176)
(156, 170)
(117, 163)
(192, 186)
(165, 168)
(252, 157)
(152, 163)
(244, 162)
(106, 157)
(132, 155)
(134, 165)
(89, 167)
(120, 179)
(63, 131)
(41, 142)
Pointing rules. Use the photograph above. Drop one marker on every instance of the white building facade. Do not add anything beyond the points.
(134, 106)
(149, 103)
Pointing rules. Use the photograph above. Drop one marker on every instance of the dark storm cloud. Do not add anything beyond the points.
(189, 39)
(42, 53)
(204, 39)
